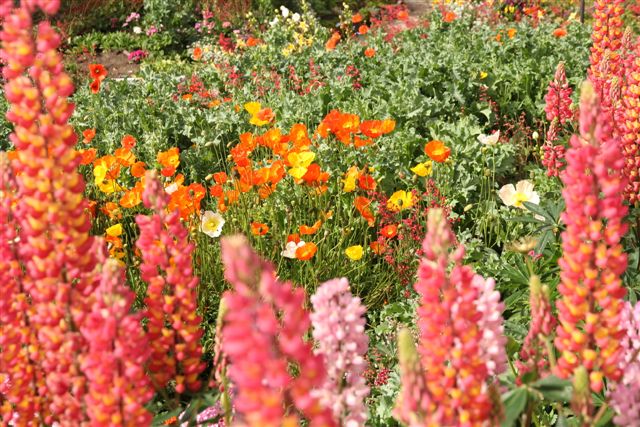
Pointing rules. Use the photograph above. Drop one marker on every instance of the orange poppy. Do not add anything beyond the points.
(128, 142)
(252, 41)
(437, 151)
(197, 53)
(559, 32)
(389, 231)
(306, 230)
(133, 197)
(295, 237)
(403, 15)
(511, 32)
(266, 190)
(333, 41)
(95, 86)
(366, 182)
(306, 251)
(138, 169)
(498, 37)
(449, 16)
(124, 157)
(371, 128)
(265, 115)
(369, 52)
(88, 135)
(359, 142)
(259, 228)
(97, 71)
(363, 204)
(220, 177)
(87, 155)
(363, 29)
(170, 160)
(377, 248)
(216, 190)
(356, 19)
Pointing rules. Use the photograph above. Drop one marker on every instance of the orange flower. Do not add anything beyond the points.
(133, 197)
(333, 41)
(138, 169)
(403, 15)
(389, 231)
(437, 151)
(371, 128)
(220, 177)
(97, 71)
(170, 160)
(187, 97)
(369, 52)
(295, 237)
(388, 125)
(306, 251)
(252, 41)
(95, 86)
(216, 191)
(559, 32)
(363, 204)
(363, 29)
(306, 230)
(498, 37)
(357, 18)
(366, 182)
(511, 32)
(377, 248)
(265, 115)
(359, 142)
(88, 135)
(87, 156)
(125, 157)
(197, 53)
(259, 229)
(449, 16)
(128, 142)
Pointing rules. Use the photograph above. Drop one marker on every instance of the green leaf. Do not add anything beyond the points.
(161, 418)
(537, 209)
(514, 403)
(554, 388)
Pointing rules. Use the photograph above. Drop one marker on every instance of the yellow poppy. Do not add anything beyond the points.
(354, 253)
(114, 231)
(400, 200)
(423, 169)
(300, 163)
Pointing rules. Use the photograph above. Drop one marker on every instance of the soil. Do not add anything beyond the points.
(116, 63)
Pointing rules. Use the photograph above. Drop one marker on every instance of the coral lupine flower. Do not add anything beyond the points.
(117, 354)
(437, 151)
(631, 128)
(55, 248)
(593, 260)
(338, 328)
(454, 364)
(625, 395)
(491, 324)
(263, 331)
(534, 354)
(606, 36)
(173, 323)
(558, 97)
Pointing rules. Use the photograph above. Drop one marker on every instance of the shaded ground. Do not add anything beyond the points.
(116, 64)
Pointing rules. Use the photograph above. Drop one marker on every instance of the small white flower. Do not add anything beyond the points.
(535, 135)
(522, 192)
(295, 17)
(137, 30)
(489, 139)
(211, 223)
(285, 11)
(274, 21)
(172, 188)
(290, 249)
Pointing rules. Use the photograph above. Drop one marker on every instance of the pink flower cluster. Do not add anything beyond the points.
(593, 259)
(558, 111)
(263, 333)
(454, 363)
(491, 323)
(338, 329)
(625, 397)
(173, 324)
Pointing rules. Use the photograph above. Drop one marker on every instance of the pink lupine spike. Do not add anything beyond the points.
(173, 323)
(338, 328)
(593, 260)
(263, 332)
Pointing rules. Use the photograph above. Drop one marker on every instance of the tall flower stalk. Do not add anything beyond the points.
(262, 335)
(173, 325)
(455, 359)
(338, 328)
(593, 260)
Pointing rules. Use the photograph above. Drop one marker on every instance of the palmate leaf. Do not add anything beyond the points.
(554, 389)
(515, 401)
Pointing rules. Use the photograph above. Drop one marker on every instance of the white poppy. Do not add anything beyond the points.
(171, 188)
(295, 17)
(522, 192)
(137, 30)
(489, 139)
(290, 249)
(285, 11)
(211, 224)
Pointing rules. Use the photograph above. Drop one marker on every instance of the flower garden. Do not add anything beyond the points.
(310, 214)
